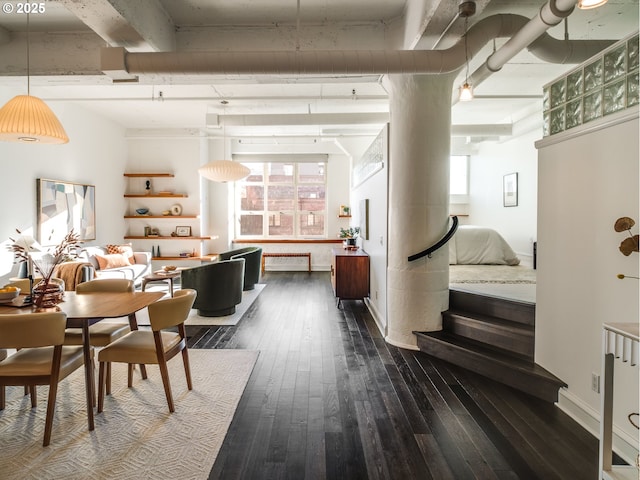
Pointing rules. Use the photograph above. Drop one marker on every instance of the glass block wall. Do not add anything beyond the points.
(603, 85)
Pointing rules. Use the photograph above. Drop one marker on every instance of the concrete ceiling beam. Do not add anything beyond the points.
(139, 26)
(5, 36)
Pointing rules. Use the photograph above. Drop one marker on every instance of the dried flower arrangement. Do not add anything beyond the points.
(46, 263)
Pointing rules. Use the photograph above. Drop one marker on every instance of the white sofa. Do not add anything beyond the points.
(135, 272)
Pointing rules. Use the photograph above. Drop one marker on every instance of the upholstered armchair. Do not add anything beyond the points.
(219, 286)
(252, 258)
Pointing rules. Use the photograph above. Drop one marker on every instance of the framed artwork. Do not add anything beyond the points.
(62, 207)
(372, 160)
(510, 190)
(364, 218)
(183, 231)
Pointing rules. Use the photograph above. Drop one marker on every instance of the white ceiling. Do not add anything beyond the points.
(65, 44)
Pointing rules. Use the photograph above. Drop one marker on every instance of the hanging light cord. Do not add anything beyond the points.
(298, 26)
(28, 62)
(466, 51)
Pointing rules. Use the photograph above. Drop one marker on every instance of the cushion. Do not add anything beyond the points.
(126, 250)
(114, 260)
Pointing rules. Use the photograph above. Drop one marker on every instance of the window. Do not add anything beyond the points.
(459, 175)
(282, 199)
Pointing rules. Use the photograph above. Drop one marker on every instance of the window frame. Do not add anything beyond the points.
(296, 212)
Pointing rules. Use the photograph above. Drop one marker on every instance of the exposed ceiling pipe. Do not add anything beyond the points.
(116, 61)
(534, 37)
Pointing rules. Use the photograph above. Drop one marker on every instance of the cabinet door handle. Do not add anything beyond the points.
(332, 270)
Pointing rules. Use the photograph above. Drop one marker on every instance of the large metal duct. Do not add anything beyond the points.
(534, 37)
(118, 61)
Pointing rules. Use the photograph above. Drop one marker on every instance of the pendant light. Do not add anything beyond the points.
(466, 91)
(224, 170)
(587, 4)
(28, 119)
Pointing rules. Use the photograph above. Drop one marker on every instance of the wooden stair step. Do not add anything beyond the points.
(508, 309)
(491, 362)
(515, 337)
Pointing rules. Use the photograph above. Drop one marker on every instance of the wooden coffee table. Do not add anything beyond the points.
(161, 276)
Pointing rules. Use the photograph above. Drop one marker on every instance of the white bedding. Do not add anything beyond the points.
(472, 245)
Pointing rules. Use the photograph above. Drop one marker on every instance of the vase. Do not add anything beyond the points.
(47, 295)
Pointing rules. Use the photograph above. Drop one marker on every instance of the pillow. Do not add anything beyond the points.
(114, 260)
(126, 250)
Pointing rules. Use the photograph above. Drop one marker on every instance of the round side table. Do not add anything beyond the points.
(161, 276)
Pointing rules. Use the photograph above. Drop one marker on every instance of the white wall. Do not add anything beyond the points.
(488, 166)
(96, 154)
(172, 154)
(374, 189)
(586, 182)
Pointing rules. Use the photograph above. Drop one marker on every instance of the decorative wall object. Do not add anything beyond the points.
(605, 84)
(364, 218)
(176, 209)
(510, 190)
(183, 231)
(62, 207)
(373, 159)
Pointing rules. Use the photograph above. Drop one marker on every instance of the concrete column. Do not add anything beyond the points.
(419, 149)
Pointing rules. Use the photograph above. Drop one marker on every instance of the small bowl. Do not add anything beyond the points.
(169, 268)
(142, 211)
(10, 295)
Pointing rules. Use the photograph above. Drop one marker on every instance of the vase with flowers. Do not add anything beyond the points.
(47, 293)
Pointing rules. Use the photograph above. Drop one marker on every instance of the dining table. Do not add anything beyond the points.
(86, 309)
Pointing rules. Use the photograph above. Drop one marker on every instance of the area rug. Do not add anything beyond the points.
(505, 274)
(136, 436)
(248, 297)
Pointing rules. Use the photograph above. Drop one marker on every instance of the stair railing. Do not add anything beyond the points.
(440, 243)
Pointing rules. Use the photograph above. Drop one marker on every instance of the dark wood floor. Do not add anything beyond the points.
(328, 398)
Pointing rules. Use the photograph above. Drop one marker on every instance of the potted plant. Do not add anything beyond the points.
(350, 236)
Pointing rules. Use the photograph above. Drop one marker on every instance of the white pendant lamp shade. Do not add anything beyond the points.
(223, 171)
(28, 119)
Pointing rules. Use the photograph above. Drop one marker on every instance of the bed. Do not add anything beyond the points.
(474, 245)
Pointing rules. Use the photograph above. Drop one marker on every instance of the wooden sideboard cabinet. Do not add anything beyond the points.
(349, 274)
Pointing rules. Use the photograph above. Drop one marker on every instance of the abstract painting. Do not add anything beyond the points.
(63, 206)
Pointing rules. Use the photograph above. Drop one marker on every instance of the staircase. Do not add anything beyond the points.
(494, 337)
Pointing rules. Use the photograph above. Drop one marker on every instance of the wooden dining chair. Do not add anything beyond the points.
(3, 355)
(101, 333)
(154, 346)
(40, 359)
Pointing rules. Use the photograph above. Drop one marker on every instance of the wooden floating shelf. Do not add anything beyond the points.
(149, 175)
(161, 216)
(344, 216)
(163, 237)
(155, 195)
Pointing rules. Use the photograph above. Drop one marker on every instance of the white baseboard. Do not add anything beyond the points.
(623, 444)
(406, 346)
(379, 319)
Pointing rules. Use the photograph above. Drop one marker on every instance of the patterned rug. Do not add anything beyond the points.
(135, 437)
(248, 297)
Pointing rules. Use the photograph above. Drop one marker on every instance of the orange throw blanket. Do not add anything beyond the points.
(71, 273)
